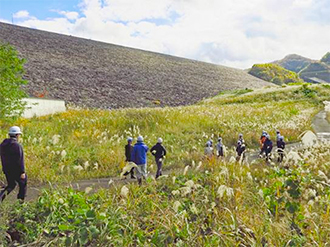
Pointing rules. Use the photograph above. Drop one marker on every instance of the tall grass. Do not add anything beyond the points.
(88, 143)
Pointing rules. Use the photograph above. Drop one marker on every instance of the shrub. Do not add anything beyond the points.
(11, 80)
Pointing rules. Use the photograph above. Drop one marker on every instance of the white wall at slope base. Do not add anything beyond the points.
(41, 107)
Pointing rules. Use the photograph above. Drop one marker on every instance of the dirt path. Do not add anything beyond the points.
(320, 126)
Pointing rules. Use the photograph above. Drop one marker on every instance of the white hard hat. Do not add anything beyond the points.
(15, 131)
(160, 140)
(140, 139)
(129, 139)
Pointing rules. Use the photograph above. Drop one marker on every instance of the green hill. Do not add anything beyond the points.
(294, 62)
(274, 73)
(326, 58)
(318, 72)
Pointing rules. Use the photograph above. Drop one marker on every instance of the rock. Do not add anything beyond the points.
(309, 139)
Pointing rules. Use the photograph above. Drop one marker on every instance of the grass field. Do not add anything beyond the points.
(90, 143)
(204, 203)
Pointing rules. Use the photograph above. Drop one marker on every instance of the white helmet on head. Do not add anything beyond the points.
(160, 140)
(14, 131)
(140, 139)
(129, 139)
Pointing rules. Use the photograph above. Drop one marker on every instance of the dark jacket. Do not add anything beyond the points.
(268, 146)
(160, 151)
(128, 152)
(281, 145)
(139, 154)
(12, 157)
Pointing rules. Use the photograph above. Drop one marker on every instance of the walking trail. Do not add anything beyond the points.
(320, 125)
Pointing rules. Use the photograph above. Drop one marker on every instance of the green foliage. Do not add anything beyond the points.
(326, 58)
(282, 206)
(11, 73)
(274, 73)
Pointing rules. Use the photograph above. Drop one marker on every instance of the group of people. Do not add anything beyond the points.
(266, 147)
(138, 155)
(12, 157)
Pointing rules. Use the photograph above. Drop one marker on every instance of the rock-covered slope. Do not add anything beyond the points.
(96, 74)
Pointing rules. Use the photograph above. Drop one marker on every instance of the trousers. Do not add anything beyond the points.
(12, 181)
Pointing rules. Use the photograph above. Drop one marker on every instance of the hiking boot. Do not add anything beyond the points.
(140, 181)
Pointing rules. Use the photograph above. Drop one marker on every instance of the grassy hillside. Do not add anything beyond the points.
(326, 58)
(274, 73)
(95, 74)
(204, 203)
(316, 71)
(58, 146)
(294, 62)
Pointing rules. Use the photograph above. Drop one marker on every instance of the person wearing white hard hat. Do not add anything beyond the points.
(139, 157)
(128, 154)
(220, 147)
(208, 150)
(159, 152)
(12, 159)
(240, 148)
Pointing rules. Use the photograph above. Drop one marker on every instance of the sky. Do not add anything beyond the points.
(234, 33)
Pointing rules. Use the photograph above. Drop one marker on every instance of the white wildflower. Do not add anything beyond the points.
(124, 191)
(88, 190)
(232, 160)
(63, 154)
(224, 172)
(249, 176)
(185, 170)
(199, 165)
(55, 139)
(322, 175)
(96, 166)
(61, 201)
(78, 168)
(86, 164)
(193, 209)
(190, 183)
(176, 206)
(175, 192)
(173, 179)
(185, 191)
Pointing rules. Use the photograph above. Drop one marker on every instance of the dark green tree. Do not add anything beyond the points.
(11, 80)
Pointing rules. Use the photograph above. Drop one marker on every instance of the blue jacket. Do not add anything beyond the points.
(139, 154)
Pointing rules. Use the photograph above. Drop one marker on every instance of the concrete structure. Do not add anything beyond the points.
(41, 107)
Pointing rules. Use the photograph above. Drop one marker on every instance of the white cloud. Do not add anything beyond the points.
(21, 14)
(70, 15)
(235, 33)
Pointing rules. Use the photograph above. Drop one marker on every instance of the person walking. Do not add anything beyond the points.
(159, 152)
(267, 147)
(220, 148)
(278, 135)
(262, 141)
(128, 155)
(280, 148)
(139, 157)
(240, 148)
(12, 159)
(208, 150)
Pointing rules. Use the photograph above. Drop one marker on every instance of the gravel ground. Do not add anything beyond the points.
(87, 73)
